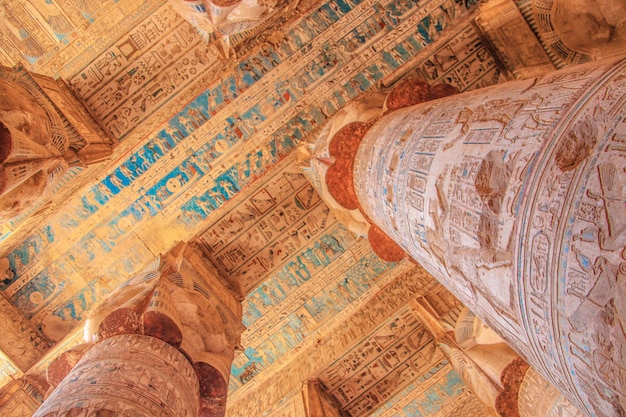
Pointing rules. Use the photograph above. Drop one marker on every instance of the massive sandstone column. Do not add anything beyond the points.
(161, 345)
(513, 197)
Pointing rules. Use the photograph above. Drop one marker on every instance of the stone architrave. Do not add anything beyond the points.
(19, 398)
(161, 344)
(513, 197)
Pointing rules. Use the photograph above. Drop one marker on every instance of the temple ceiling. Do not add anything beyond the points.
(205, 147)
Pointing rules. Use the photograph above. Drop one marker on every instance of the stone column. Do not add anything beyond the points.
(127, 374)
(513, 197)
(160, 345)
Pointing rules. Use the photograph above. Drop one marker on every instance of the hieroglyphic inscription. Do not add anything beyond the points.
(582, 243)
(384, 363)
(467, 230)
(141, 70)
(47, 34)
(184, 171)
(266, 342)
(338, 332)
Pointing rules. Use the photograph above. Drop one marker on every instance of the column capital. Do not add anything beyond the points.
(178, 300)
(333, 155)
(44, 131)
(507, 402)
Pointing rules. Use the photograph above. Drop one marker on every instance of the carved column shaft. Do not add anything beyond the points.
(513, 197)
(160, 345)
(127, 375)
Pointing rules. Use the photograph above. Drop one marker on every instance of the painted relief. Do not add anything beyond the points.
(25, 44)
(144, 68)
(219, 167)
(208, 152)
(34, 30)
(439, 392)
(24, 399)
(227, 147)
(333, 337)
(136, 76)
(585, 164)
(285, 293)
